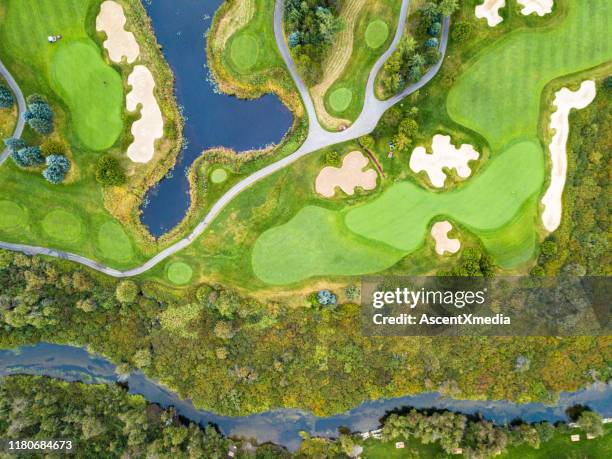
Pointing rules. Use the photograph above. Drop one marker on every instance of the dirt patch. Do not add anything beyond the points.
(489, 10)
(565, 101)
(336, 62)
(540, 7)
(119, 42)
(439, 231)
(347, 177)
(150, 126)
(444, 155)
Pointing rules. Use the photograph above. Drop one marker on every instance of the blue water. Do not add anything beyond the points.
(211, 119)
(282, 426)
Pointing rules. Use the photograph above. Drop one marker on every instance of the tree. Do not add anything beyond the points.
(408, 127)
(14, 144)
(431, 42)
(549, 248)
(6, 97)
(223, 330)
(448, 7)
(401, 142)
(591, 422)
(295, 39)
(434, 29)
(367, 142)
(28, 157)
(86, 305)
(432, 56)
(109, 171)
(461, 31)
(39, 116)
(142, 358)
(430, 13)
(57, 167)
(126, 291)
(332, 158)
(326, 298)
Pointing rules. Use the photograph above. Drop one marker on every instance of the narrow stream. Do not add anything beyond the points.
(211, 119)
(282, 426)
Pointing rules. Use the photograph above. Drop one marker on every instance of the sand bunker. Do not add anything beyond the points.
(119, 42)
(439, 232)
(150, 126)
(347, 177)
(445, 154)
(565, 100)
(489, 10)
(540, 7)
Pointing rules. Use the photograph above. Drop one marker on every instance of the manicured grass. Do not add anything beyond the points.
(113, 243)
(179, 272)
(62, 226)
(376, 34)
(498, 96)
(92, 90)
(13, 216)
(244, 51)
(218, 175)
(340, 99)
(315, 242)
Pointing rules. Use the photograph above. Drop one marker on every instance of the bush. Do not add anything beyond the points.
(432, 56)
(332, 158)
(6, 97)
(325, 298)
(432, 42)
(57, 167)
(28, 157)
(109, 171)
(462, 31)
(549, 248)
(367, 142)
(126, 291)
(608, 83)
(434, 29)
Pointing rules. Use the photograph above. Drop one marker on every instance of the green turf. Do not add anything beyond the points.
(113, 243)
(179, 272)
(498, 96)
(376, 34)
(12, 216)
(244, 51)
(218, 175)
(62, 225)
(340, 99)
(316, 242)
(92, 90)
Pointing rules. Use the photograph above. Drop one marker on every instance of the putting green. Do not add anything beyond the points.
(179, 273)
(62, 225)
(375, 235)
(376, 33)
(340, 99)
(244, 51)
(13, 216)
(218, 175)
(114, 243)
(92, 90)
(499, 94)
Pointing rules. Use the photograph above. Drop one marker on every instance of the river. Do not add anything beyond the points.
(211, 119)
(282, 426)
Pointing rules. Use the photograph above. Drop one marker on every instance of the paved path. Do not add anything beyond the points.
(317, 138)
(21, 105)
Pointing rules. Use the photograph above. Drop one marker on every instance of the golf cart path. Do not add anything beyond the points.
(21, 106)
(317, 138)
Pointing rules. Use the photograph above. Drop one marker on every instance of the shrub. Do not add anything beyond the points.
(537, 271)
(53, 147)
(294, 39)
(432, 56)
(431, 42)
(608, 83)
(332, 158)
(434, 29)
(6, 97)
(367, 142)
(109, 171)
(325, 298)
(57, 167)
(549, 248)
(126, 291)
(28, 157)
(462, 31)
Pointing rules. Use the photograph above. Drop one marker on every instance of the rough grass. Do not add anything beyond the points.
(244, 51)
(499, 94)
(91, 89)
(13, 216)
(179, 272)
(63, 226)
(8, 118)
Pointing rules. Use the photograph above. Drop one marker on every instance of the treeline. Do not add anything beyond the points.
(311, 26)
(237, 355)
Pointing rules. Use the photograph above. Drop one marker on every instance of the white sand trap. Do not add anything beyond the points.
(489, 10)
(119, 42)
(347, 177)
(565, 100)
(445, 154)
(150, 126)
(540, 7)
(439, 232)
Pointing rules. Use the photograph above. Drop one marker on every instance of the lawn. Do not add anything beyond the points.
(498, 95)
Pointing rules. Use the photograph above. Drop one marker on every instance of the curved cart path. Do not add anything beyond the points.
(21, 106)
(317, 138)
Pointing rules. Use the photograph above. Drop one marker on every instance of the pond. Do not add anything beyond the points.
(211, 119)
(282, 426)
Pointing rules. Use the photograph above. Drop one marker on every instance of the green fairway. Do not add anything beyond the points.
(340, 99)
(113, 243)
(218, 175)
(499, 93)
(179, 273)
(376, 34)
(62, 225)
(92, 90)
(13, 216)
(244, 51)
(316, 242)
